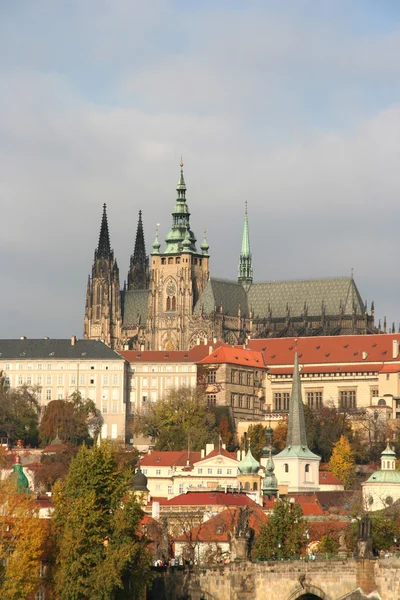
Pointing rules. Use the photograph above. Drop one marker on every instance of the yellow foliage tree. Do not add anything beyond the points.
(22, 537)
(342, 463)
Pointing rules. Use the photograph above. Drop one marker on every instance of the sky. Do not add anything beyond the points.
(291, 106)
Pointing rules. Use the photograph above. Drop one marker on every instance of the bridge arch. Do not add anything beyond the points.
(308, 592)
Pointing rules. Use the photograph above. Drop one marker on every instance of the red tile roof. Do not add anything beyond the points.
(356, 368)
(235, 355)
(345, 349)
(211, 499)
(221, 452)
(218, 528)
(169, 459)
(162, 356)
(328, 478)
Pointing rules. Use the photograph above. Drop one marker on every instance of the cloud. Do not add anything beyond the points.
(257, 103)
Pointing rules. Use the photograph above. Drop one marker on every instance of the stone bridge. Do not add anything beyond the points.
(297, 580)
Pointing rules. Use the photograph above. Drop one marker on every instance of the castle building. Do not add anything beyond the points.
(170, 300)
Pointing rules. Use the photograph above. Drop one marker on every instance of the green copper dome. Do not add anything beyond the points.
(156, 244)
(180, 230)
(388, 452)
(249, 465)
(384, 476)
(204, 245)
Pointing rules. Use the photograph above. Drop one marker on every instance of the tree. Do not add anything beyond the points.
(284, 534)
(225, 432)
(22, 538)
(256, 435)
(279, 435)
(101, 554)
(342, 462)
(74, 420)
(180, 419)
(19, 413)
(328, 544)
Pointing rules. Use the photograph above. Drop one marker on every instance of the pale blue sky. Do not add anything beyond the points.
(292, 106)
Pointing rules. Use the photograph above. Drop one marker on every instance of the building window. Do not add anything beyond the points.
(49, 366)
(105, 379)
(248, 402)
(212, 376)
(115, 409)
(30, 367)
(240, 378)
(229, 471)
(219, 471)
(240, 401)
(60, 395)
(39, 395)
(115, 379)
(307, 469)
(20, 367)
(60, 379)
(199, 471)
(20, 380)
(91, 381)
(347, 399)
(48, 394)
(82, 380)
(281, 400)
(286, 468)
(248, 378)
(104, 408)
(374, 393)
(233, 376)
(163, 261)
(170, 490)
(232, 399)
(211, 399)
(158, 471)
(7, 367)
(48, 380)
(209, 471)
(181, 488)
(314, 400)
(73, 379)
(40, 596)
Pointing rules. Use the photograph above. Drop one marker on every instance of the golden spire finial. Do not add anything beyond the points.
(181, 163)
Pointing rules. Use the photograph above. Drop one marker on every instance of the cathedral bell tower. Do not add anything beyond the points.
(178, 276)
(103, 318)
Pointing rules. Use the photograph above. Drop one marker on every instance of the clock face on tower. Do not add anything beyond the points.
(171, 288)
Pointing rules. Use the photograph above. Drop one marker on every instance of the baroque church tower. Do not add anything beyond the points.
(179, 275)
(103, 317)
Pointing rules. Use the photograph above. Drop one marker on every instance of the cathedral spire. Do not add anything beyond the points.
(138, 275)
(180, 230)
(104, 247)
(245, 269)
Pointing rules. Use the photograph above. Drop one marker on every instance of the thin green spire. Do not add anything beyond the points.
(245, 268)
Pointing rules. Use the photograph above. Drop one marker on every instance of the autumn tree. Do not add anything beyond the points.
(256, 437)
(284, 534)
(75, 420)
(342, 462)
(22, 537)
(181, 418)
(279, 435)
(101, 553)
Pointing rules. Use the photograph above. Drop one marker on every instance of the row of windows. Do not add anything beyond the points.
(60, 380)
(163, 368)
(61, 394)
(155, 382)
(53, 366)
(336, 374)
(209, 470)
(177, 260)
(242, 401)
(242, 377)
(114, 408)
(347, 400)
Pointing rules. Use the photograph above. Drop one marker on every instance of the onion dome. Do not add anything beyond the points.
(139, 482)
(18, 477)
(156, 244)
(249, 465)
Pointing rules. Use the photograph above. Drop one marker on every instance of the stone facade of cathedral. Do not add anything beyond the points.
(170, 300)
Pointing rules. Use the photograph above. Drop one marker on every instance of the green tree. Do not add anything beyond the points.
(342, 462)
(19, 413)
(256, 435)
(74, 420)
(284, 534)
(328, 544)
(179, 419)
(101, 554)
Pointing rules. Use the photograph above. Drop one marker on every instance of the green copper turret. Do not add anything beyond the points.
(245, 269)
(180, 230)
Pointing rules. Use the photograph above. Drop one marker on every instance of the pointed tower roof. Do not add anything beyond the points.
(204, 245)
(138, 275)
(180, 222)
(104, 247)
(270, 482)
(156, 244)
(245, 268)
(296, 440)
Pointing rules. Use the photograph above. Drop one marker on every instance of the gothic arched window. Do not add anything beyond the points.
(98, 295)
(168, 303)
(173, 303)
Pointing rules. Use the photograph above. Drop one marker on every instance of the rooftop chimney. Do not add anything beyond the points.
(73, 340)
(395, 348)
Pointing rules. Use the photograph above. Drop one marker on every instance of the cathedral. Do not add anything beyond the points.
(169, 300)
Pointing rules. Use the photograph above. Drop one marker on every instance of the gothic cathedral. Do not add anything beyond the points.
(171, 301)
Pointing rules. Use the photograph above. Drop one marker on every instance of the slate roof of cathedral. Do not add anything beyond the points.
(134, 307)
(277, 295)
(48, 349)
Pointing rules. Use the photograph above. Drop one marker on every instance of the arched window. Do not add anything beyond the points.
(286, 468)
(255, 487)
(98, 295)
(307, 468)
(247, 486)
(168, 303)
(173, 303)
